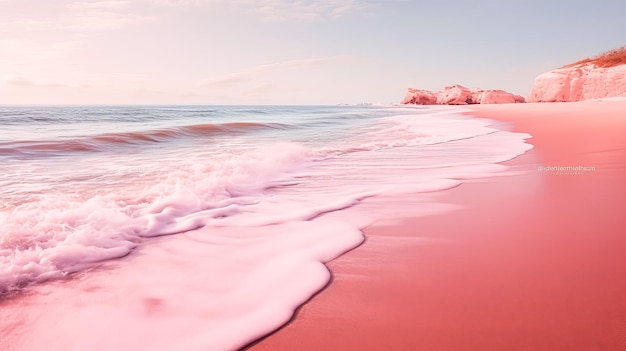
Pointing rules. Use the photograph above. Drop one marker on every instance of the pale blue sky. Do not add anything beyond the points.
(288, 52)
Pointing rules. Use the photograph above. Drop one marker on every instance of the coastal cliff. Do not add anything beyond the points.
(600, 77)
(460, 95)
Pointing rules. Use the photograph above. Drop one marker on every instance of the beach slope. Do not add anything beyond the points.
(533, 261)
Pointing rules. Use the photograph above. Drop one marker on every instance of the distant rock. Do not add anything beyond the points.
(460, 95)
(496, 97)
(454, 95)
(420, 97)
(596, 78)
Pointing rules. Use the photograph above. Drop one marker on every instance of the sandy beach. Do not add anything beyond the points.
(341, 175)
(532, 261)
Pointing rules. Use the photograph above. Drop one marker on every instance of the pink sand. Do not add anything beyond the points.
(534, 261)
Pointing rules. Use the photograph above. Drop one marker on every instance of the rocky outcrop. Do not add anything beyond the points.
(420, 97)
(579, 82)
(460, 95)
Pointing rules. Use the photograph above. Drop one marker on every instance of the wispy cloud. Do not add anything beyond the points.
(45, 43)
(280, 10)
(72, 17)
(102, 15)
(98, 5)
(181, 3)
(257, 73)
(24, 52)
(25, 83)
(308, 11)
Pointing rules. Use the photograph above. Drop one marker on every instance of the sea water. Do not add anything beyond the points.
(203, 227)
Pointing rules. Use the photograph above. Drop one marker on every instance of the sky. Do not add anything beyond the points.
(288, 51)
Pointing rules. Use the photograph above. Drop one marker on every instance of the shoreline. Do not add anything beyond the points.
(534, 260)
(242, 271)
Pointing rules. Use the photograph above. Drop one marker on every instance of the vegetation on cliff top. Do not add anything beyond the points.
(610, 58)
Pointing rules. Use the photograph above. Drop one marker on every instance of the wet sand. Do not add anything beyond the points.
(533, 261)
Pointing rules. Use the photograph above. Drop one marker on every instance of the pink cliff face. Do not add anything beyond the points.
(460, 95)
(580, 82)
(454, 95)
(420, 97)
(497, 97)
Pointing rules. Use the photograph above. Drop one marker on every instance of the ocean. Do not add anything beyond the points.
(205, 227)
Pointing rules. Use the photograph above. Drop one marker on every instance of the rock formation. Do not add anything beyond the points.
(460, 95)
(600, 77)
